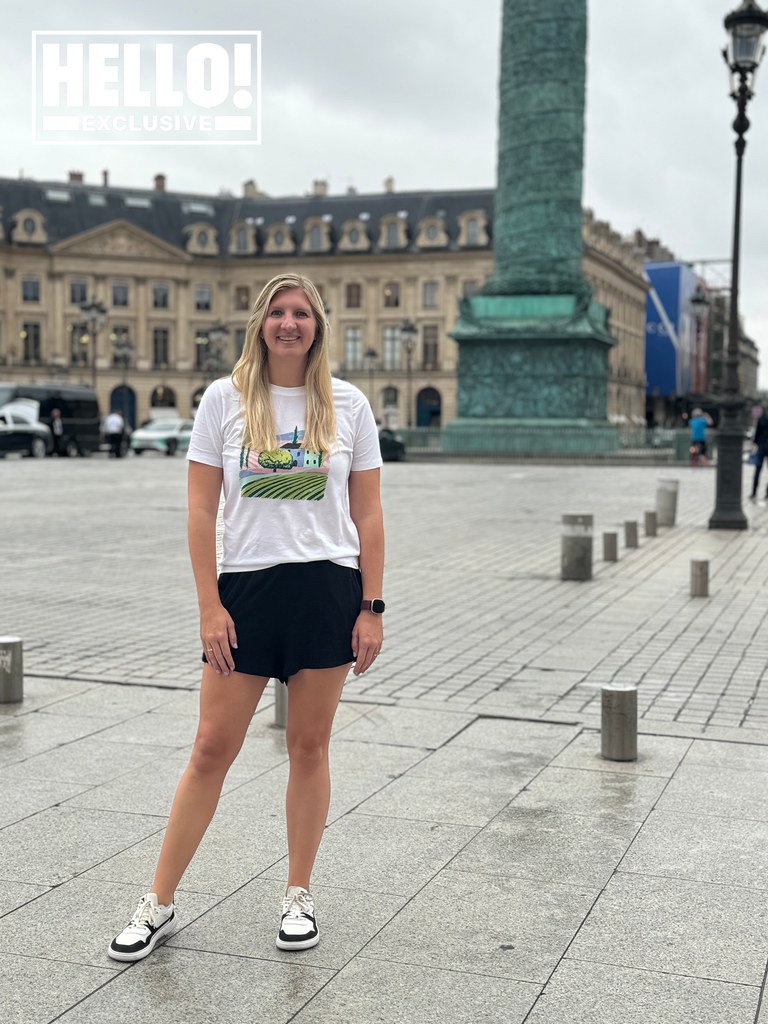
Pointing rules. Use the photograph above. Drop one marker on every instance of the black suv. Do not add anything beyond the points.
(77, 404)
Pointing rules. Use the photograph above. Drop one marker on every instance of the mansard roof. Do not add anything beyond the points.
(73, 208)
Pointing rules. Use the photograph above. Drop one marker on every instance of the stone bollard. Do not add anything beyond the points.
(699, 578)
(666, 502)
(576, 548)
(610, 547)
(630, 533)
(281, 704)
(11, 670)
(618, 731)
(651, 523)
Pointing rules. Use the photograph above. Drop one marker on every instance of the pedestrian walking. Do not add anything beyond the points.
(114, 428)
(698, 424)
(57, 429)
(298, 596)
(760, 441)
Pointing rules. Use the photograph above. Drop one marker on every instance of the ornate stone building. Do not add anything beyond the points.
(172, 269)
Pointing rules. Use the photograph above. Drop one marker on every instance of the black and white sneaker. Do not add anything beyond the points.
(150, 924)
(298, 927)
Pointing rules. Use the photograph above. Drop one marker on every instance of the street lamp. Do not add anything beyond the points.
(95, 317)
(371, 357)
(408, 332)
(743, 55)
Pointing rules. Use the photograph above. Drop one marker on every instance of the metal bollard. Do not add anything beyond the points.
(666, 502)
(618, 731)
(11, 670)
(610, 547)
(699, 578)
(630, 533)
(651, 523)
(576, 548)
(281, 704)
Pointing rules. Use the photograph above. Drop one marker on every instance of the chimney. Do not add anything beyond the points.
(351, 190)
(159, 183)
(319, 187)
(389, 184)
(249, 189)
(105, 179)
(76, 178)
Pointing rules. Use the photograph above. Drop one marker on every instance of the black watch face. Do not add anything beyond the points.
(377, 606)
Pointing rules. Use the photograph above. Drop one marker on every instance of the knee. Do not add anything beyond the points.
(211, 754)
(307, 750)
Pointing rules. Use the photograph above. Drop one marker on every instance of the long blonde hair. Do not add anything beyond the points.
(251, 374)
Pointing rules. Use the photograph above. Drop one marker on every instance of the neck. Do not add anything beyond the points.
(291, 375)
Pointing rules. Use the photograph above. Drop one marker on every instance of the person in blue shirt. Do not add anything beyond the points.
(760, 441)
(698, 424)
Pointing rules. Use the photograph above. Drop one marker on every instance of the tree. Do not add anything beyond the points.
(276, 458)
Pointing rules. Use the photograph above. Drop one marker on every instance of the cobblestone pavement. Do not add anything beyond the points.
(481, 861)
(478, 618)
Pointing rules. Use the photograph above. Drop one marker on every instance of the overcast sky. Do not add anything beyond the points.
(353, 93)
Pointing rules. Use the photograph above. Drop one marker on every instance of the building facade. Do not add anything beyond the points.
(178, 274)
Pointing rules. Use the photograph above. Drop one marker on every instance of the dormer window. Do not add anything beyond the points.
(473, 229)
(392, 232)
(29, 226)
(279, 238)
(202, 239)
(242, 240)
(354, 236)
(393, 236)
(431, 233)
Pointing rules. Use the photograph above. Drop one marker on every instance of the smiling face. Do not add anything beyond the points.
(290, 326)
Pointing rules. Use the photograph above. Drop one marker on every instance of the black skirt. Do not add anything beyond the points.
(293, 616)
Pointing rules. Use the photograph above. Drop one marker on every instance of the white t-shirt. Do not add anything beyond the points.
(288, 504)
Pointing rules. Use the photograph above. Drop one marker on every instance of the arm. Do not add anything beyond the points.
(217, 630)
(365, 510)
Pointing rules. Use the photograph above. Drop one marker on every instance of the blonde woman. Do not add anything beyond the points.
(298, 597)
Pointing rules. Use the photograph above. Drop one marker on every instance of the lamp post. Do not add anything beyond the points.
(371, 357)
(95, 317)
(408, 332)
(743, 55)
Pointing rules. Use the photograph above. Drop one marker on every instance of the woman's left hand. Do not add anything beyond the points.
(367, 638)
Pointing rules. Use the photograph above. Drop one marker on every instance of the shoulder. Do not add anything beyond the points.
(343, 390)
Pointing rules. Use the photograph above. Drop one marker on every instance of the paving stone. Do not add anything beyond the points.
(76, 921)
(22, 797)
(56, 844)
(726, 792)
(36, 991)
(87, 761)
(16, 894)
(656, 755)
(504, 927)
(576, 791)
(368, 990)
(691, 928)
(731, 851)
(23, 736)
(535, 738)
(592, 993)
(182, 987)
(549, 845)
(246, 923)
(402, 727)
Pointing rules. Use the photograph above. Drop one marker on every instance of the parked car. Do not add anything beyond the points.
(21, 432)
(167, 436)
(392, 445)
(77, 404)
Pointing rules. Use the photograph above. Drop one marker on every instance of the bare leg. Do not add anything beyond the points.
(313, 696)
(226, 709)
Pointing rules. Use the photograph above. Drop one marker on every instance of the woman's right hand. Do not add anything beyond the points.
(217, 632)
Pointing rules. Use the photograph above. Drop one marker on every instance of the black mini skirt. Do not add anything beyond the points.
(293, 616)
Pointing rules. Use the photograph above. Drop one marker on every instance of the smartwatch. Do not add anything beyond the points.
(376, 606)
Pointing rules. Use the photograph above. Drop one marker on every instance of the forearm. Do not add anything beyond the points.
(201, 533)
(370, 530)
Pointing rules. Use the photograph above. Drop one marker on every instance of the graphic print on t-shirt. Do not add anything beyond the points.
(288, 471)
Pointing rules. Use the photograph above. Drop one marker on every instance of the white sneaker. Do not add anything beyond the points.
(150, 924)
(298, 927)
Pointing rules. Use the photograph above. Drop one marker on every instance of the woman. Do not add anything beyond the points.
(299, 594)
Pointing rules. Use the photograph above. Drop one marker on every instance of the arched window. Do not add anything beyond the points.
(242, 240)
(393, 235)
(473, 231)
(163, 398)
(315, 237)
(428, 408)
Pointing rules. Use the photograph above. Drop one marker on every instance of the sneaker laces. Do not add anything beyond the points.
(298, 905)
(144, 917)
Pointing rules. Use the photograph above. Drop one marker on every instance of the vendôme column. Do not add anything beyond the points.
(533, 345)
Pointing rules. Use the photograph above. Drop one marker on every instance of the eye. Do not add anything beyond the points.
(276, 312)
